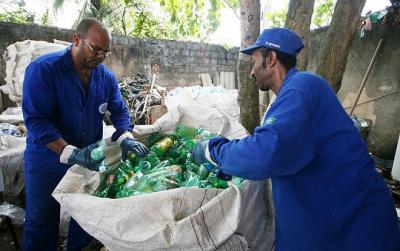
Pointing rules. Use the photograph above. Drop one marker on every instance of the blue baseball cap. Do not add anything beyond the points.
(280, 39)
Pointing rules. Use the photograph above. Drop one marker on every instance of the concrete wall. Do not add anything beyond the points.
(181, 63)
(11, 33)
(380, 100)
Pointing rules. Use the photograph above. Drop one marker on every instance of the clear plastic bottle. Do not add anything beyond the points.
(98, 152)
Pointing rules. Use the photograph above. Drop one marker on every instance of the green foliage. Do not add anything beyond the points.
(45, 18)
(13, 11)
(277, 18)
(322, 15)
(194, 19)
(175, 19)
(19, 17)
(323, 12)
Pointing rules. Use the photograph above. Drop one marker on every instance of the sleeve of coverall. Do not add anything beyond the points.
(39, 104)
(119, 112)
(282, 146)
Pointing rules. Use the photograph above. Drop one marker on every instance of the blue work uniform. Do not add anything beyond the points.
(55, 105)
(326, 192)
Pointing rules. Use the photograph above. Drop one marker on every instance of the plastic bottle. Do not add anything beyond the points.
(162, 165)
(183, 131)
(204, 134)
(132, 157)
(98, 152)
(155, 137)
(124, 173)
(203, 172)
(190, 166)
(106, 187)
(183, 150)
(162, 146)
(152, 158)
(169, 176)
(217, 183)
(143, 166)
(191, 179)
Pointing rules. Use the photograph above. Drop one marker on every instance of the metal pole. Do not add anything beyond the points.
(364, 81)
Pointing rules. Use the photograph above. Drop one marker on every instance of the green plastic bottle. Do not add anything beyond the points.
(143, 166)
(182, 131)
(152, 158)
(190, 165)
(124, 173)
(161, 165)
(216, 182)
(203, 172)
(191, 179)
(161, 147)
(132, 157)
(183, 150)
(204, 134)
(155, 137)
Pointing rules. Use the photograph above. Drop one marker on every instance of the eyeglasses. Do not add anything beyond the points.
(98, 51)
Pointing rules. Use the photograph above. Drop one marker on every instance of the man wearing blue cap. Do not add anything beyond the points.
(327, 194)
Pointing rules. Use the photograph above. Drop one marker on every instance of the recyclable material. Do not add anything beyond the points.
(169, 165)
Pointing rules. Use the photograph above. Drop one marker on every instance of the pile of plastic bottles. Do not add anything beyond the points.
(168, 165)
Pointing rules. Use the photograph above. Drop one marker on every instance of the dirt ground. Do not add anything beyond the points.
(6, 241)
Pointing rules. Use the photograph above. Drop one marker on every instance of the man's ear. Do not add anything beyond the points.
(272, 56)
(76, 40)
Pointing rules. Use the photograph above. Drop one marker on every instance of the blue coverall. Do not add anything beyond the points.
(55, 105)
(326, 192)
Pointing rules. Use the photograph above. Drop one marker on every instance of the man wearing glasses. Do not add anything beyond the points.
(65, 96)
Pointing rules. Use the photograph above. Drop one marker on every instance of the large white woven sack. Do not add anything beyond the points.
(178, 219)
(18, 56)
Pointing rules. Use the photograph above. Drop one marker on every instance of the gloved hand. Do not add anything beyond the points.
(129, 144)
(201, 155)
(73, 155)
(199, 152)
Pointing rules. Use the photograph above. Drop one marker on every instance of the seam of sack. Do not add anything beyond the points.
(194, 230)
(223, 214)
(206, 227)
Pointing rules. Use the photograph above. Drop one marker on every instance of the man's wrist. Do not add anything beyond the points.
(207, 155)
(124, 136)
(66, 153)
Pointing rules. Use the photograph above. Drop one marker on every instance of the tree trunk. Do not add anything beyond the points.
(333, 58)
(298, 18)
(248, 91)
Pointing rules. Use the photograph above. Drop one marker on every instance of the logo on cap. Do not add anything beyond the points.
(273, 45)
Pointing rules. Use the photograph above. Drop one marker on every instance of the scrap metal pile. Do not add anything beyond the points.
(139, 96)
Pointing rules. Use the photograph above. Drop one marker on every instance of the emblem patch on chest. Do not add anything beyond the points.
(103, 108)
(270, 121)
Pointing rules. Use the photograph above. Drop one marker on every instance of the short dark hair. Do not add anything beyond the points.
(86, 23)
(289, 61)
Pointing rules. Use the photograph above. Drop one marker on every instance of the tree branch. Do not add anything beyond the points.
(232, 7)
